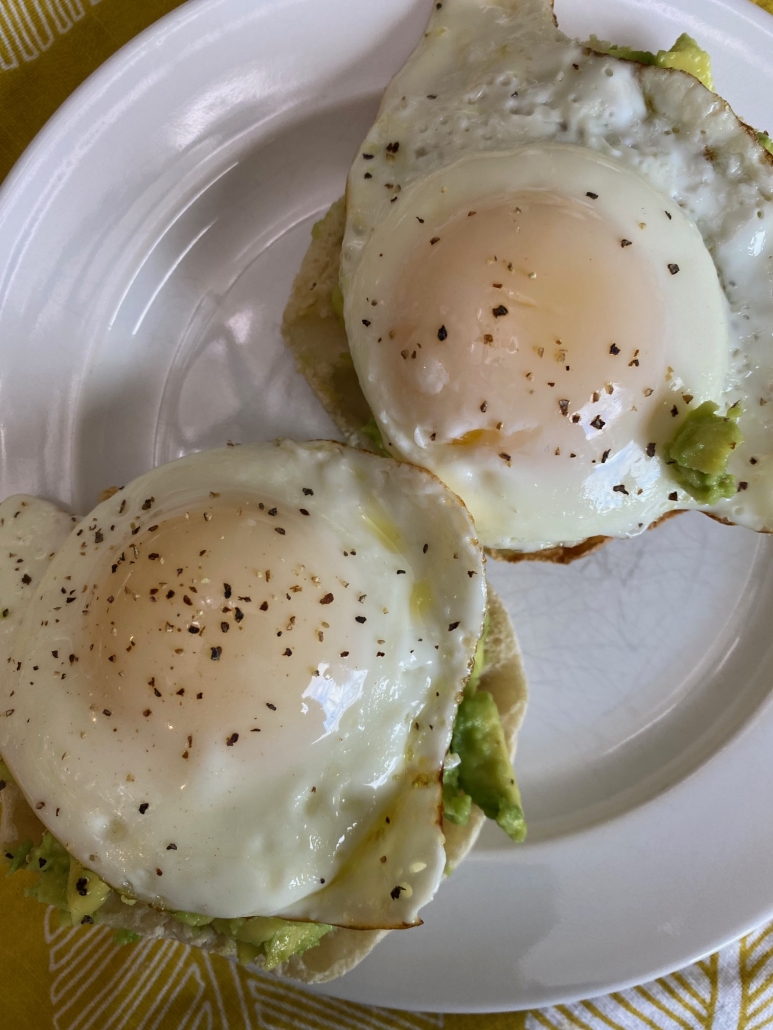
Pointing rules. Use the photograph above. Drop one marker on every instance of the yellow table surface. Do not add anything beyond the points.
(79, 979)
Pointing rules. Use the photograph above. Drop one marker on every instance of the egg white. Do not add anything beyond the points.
(492, 91)
(234, 686)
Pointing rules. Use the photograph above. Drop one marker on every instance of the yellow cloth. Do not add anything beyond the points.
(52, 978)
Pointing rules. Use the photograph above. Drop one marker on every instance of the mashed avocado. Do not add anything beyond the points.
(685, 55)
(79, 893)
(699, 452)
(483, 773)
(766, 141)
(18, 858)
(276, 939)
(62, 881)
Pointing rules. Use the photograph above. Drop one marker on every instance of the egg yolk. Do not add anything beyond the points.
(214, 620)
(533, 320)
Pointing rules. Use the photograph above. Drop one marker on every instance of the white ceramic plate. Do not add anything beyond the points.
(148, 240)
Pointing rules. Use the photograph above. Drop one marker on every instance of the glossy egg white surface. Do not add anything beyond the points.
(551, 257)
(233, 688)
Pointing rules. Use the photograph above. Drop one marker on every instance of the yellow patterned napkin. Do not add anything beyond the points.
(78, 979)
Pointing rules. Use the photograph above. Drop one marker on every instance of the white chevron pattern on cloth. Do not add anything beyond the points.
(168, 986)
(29, 28)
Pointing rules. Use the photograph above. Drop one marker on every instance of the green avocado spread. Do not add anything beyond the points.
(699, 453)
(79, 893)
(483, 774)
(685, 55)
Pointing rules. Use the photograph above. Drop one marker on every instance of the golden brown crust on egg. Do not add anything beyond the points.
(561, 555)
(565, 555)
(107, 493)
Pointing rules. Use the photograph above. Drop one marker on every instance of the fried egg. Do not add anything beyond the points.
(552, 256)
(233, 688)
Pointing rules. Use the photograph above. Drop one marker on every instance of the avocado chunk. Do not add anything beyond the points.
(191, 919)
(699, 452)
(685, 55)
(255, 931)
(456, 804)
(51, 860)
(18, 858)
(276, 939)
(123, 937)
(85, 892)
(766, 141)
(293, 939)
(62, 881)
(484, 771)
